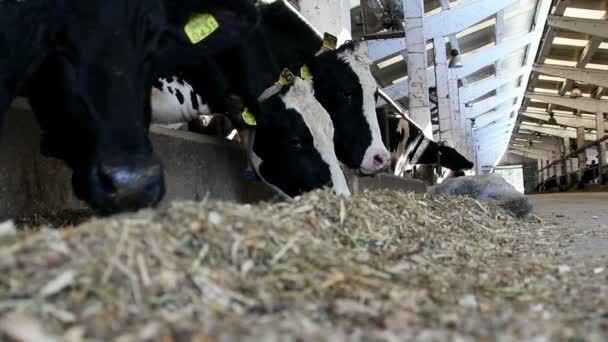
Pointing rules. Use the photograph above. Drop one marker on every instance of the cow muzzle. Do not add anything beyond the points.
(376, 160)
(126, 186)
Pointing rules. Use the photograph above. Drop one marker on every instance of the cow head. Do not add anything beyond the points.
(346, 88)
(453, 160)
(92, 98)
(402, 133)
(294, 140)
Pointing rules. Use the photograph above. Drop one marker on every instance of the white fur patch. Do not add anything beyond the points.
(300, 97)
(359, 63)
(166, 108)
(403, 127)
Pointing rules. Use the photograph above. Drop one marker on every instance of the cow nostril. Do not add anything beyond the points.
(379, 161)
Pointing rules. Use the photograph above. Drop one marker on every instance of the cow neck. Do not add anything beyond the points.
(280, 27)
(257, 78)
(247, 136)
(286, 28)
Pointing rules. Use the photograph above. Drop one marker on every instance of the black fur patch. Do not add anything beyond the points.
(194, 100)
(180, 96)
(158, 84)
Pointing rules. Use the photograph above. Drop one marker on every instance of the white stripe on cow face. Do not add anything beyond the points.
(377, 158)
(300, 98)
(172, 103)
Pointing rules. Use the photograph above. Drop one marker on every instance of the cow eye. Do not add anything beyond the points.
(346, 94)
(66, 53)
(296, 143)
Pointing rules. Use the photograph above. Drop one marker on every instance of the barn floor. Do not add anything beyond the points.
(379, 266)
(577, 213)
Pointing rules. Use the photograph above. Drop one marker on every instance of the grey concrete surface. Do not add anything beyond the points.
(384, 181)
(194, 167)
(197, 166)
(29, 183)
(577, 213)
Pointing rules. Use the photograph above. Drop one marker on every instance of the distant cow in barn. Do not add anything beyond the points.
(591, 175)
(408, 141)
(342, 80)
(550, 185)
(89, 68)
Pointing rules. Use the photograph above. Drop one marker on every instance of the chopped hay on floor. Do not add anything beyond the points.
(382, 266)
(54, 219)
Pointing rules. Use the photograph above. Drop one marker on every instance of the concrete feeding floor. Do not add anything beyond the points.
(577, 213)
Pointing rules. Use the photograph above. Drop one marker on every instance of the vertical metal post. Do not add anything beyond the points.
(417, 64)
(540, 173)
(582, 156)
(601, 128)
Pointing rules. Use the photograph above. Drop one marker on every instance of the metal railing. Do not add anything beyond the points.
(587, 173)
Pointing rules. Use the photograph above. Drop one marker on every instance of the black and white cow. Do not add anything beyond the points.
(408, 145)
(343, 84)
(89, 70)
(293, 143)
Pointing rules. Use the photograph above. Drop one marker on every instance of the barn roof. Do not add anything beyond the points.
(504, 45)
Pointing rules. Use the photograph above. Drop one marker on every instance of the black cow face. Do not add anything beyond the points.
(346, 88)
(451, 159)
(447, 156)
(294, 139)
(91, 96)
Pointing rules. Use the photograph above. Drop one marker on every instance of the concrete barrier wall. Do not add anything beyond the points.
(195, 166)
(29, 183)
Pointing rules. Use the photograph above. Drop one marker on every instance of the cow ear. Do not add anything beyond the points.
(361, 52)
(314, 65)
(213, 25)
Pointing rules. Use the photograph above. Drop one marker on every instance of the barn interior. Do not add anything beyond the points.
(517, 87)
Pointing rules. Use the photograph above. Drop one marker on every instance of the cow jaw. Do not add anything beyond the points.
(377, 158)
(300, 98)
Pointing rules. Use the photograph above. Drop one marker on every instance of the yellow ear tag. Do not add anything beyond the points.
(248, 117)
(330, 42)
(200, 27)
(305, 72)
(287, 77)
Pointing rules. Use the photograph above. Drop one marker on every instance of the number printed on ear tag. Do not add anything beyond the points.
(200, 27)
(287, 77)
(330, 42)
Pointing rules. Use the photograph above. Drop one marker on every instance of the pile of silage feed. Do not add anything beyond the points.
(382, 266)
